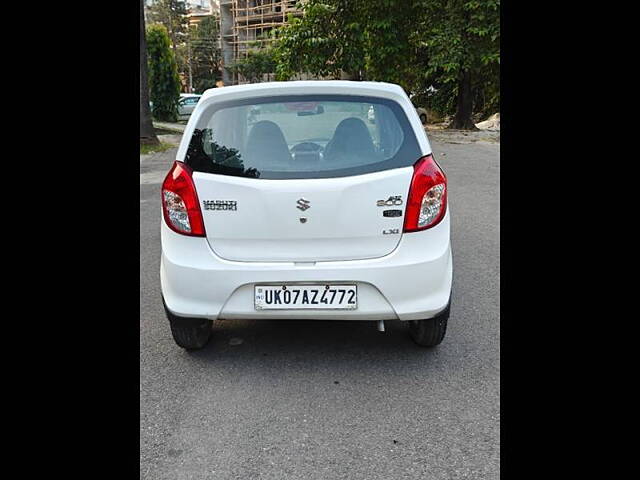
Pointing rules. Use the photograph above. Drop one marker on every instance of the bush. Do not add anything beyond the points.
(200, 85)
(164, 82)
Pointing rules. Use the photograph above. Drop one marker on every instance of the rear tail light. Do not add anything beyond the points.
(427, 201)
(180, 205)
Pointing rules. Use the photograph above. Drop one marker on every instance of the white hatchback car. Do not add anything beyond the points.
(286, 203)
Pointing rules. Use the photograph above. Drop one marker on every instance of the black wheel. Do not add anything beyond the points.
(423, 118)
(430, 332)
(189, 333)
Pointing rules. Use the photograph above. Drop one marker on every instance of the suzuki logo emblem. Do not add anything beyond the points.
(303, 204)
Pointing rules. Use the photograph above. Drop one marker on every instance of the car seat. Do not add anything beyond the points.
(266, 146)
(351, 137)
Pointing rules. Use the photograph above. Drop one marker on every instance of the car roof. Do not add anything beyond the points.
(305, 87)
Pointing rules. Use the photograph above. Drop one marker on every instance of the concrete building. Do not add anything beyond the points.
(199, 9)
(244, 22)
(193, 4)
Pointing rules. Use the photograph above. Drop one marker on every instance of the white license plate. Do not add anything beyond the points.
(306, 297)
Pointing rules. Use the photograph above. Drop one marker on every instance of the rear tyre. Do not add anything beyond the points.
(423, 118)
(430, 332)
(189, 333)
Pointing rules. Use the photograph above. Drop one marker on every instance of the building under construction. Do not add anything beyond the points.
(245, 22)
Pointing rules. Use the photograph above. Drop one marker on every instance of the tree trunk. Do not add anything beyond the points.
(464, 104)
(189, 65)
(147, 133)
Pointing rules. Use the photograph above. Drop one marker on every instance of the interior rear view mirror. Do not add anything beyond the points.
(319, 109)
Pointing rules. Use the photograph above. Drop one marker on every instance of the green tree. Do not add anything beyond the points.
(147, 133)
(355, 39)
(445, 50)
(164, 83)
(462, 40)
(392, 47)
(327, 41)
(205, 56)
(257, 63)
(487, 91)
(173, 15)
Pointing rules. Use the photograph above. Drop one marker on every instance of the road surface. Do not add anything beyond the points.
(331, 400)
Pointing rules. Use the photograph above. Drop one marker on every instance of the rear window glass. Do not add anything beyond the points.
(302, 137)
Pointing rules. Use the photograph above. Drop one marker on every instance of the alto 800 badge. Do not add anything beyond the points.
(393, 201)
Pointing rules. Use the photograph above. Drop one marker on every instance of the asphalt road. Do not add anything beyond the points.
(332, 400)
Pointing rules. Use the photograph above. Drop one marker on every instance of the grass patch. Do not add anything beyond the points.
(146, 149)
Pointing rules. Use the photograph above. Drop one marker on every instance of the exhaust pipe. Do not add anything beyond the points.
(381, 325)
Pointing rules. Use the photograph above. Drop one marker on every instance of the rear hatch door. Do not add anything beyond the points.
(307, 220)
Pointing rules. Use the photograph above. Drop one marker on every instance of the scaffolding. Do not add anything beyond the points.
(244, 23)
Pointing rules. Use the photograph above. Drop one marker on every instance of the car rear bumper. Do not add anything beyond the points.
(412, 282)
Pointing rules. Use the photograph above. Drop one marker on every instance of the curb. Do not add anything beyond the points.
(174, 127)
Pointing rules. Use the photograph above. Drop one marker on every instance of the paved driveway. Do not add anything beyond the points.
(331, 400)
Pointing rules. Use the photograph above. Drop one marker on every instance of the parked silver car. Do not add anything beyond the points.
(186, 104)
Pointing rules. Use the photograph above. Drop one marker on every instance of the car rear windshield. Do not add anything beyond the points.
(309, 136)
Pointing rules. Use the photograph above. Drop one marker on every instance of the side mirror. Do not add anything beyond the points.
(320, 109)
